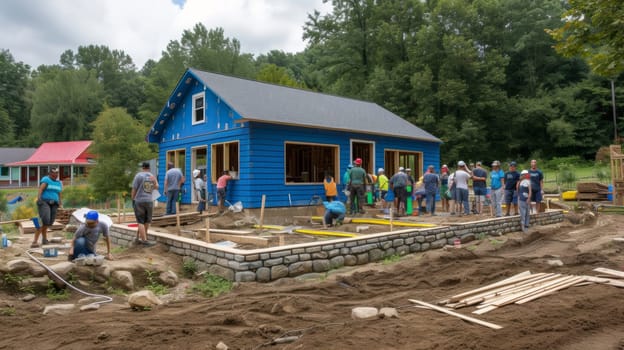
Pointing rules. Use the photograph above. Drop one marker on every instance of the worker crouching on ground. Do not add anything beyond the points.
(87, 236)
(334, 210)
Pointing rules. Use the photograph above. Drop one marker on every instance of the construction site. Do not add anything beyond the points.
(415, 282)
(472, 282)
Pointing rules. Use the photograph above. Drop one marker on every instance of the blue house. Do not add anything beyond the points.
(279, 141)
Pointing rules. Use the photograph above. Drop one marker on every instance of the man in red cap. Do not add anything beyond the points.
(357, 183)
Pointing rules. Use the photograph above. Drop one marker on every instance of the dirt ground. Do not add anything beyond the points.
(252, 315)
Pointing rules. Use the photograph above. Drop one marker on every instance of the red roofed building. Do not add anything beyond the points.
(71, 157)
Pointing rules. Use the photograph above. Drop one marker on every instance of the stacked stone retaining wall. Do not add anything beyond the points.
(269, 264)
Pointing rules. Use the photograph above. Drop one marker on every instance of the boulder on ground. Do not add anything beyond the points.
(123, 279)
(143, 299)
(364, 312)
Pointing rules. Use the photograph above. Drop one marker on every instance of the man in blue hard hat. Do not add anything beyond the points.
(87, 235)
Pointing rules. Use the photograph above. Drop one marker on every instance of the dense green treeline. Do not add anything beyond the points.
(482, 75)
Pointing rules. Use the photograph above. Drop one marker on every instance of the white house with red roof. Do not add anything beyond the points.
(71, 157)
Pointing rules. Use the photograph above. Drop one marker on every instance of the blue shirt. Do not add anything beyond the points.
(495, 179)
(511, 179)
(336, 207)
(52, 190)
(536, 177)
(431, 182)
(479, 172)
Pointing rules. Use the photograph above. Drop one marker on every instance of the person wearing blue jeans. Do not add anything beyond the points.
(525, 189)
(173, 183)
(432, 184)
(87, 236)
(334, 210)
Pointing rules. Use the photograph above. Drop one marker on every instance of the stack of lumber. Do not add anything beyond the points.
(63, 215)
(28, 227)
(520, 289)
(591, 191)
(171, 220)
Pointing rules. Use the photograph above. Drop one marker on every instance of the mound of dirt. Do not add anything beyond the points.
(317, 312)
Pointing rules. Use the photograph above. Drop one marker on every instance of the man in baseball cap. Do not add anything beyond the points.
(86, 237)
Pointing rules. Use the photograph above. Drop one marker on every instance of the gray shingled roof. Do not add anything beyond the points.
(263, 102)
(10, 155)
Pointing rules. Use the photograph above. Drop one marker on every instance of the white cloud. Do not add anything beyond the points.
(38, 31)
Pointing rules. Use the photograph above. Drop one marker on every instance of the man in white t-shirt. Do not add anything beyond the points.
(462, 175)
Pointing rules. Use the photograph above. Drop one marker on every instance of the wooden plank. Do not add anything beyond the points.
(514, 289)
(571, 282)
(508, 299)
(607, 271)
(260, 241)
(610, 281)
(515, 278)
(27, 227)
(456, 314)
(231, 232)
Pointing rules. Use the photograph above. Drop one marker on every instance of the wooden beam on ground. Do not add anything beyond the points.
(27, 227)
(607, 271)
(259, 241)
(515, 278)
(456, 314)
(230, 232)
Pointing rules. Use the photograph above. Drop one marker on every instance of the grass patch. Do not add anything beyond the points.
(212, 286)
(7, 311)
(391, 259)
(118, 250)
(54, 293)
(189, 268)
(494, 241)
(13, 283)
(153, 284)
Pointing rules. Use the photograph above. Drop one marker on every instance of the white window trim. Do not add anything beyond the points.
(193, 98)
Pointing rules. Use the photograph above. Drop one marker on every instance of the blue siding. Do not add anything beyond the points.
(262, 150)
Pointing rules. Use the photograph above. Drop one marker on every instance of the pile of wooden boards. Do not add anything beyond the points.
(63, 215)
(591, 191)
(520, 289)
(28, 227)
(171, 220)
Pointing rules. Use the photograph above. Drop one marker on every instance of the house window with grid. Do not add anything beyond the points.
(199, 108)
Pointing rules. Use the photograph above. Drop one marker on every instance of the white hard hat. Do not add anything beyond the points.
(380, 170)
(196, 173)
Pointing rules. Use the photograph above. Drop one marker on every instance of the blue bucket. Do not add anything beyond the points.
(35, 221)
(610, 193)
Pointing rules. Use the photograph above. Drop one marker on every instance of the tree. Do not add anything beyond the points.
(119, 142)
(14, 109)
(199, 48)
(65, 105)
(594, 30)
(271, 73)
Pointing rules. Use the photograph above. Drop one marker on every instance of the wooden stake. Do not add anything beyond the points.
(391, 225)
(178, 217)
(262, 212)
(207, 229)
(118, 208)
(281, 239)
(456, 314)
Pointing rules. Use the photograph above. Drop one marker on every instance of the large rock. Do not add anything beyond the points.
(36, 283)
(123, 279)
(364, 312)
(143, 299)
(19, 265)
(168, 278)
(63, 268)
(59, 309)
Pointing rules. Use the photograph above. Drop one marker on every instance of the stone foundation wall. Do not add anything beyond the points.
(270, 264)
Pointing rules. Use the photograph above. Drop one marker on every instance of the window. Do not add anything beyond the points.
(178, 158)
(4, 171)
(308, 163)
(198, 108)
(395, 159)
(224, 157)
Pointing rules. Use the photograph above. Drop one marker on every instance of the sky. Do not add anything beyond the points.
(38, 31)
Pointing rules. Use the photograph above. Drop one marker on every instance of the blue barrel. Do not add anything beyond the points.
(610, 193)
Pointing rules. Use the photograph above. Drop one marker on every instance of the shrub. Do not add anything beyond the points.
(212, 286)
